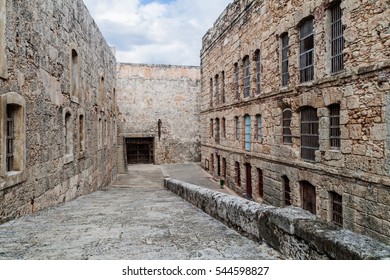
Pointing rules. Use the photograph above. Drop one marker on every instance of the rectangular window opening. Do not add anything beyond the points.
(306, 57)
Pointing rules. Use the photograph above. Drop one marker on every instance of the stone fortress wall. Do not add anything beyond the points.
(270, 167)
(57, 105)
(149, 93)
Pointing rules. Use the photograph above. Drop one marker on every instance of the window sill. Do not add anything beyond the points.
(13, 178)
(68, 159)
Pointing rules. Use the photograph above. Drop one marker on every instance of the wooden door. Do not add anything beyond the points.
(308, 197)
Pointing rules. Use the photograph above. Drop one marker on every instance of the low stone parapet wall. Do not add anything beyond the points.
(292, 231)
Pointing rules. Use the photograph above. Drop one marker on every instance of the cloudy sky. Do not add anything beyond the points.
(156, 31)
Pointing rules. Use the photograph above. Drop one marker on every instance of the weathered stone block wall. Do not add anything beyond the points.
(294, 232)
(58, 63)
(149, 93)
(359, 170)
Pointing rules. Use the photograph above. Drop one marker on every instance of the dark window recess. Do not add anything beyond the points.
(287, 117)
(308, 197)
(211, 92)
(218, 165)
(224, 167)
(309, 133)
(238, 128)
(10, 138)
(337, 39)
(258, 71)
(217, 90)
(211, 128)
(223, 87)
(236, 91)
(306, 58)
(337, 208)
(247, 77)
(140, 150)
(238, 174)
(260, 183)
(335, 132)
(248, 169)
(285, 75)
(287, 191)
(217, 131)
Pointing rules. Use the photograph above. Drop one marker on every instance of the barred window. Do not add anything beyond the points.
(223, 127)
(217, 131)
(260, 182)
(258, 71)
(337, 208)
(337, 39)
(223, 87)
(335, 132)
(211, 92)
(287, 191)
(306, 57)
(284, 53)
(238, 127)
(259, 127)
(309, 133)
(247, 76)
(211, 128)
(236, 91)
(217, 90)
(247, 120)
(238, 174)
(10, 138)
(287, 136)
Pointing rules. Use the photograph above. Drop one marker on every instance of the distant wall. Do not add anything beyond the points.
(294, 232)
(149, 93)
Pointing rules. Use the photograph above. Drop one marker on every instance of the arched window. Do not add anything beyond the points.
(334, 129)
(247, 76)
(75, 73)
(238, 128)
(68, 134)
(258, 71)
(306, 57)
(247, 120)
(259, 127)
(284, 59)
(287, 116)
(309, 133)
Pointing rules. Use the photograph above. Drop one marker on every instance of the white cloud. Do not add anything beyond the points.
(160, 32)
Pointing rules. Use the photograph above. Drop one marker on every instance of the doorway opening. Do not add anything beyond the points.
(140, 150)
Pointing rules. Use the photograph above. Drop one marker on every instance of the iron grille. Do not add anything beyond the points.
(287, 136)
(10, 138)
(211, 92)
(335, 126)
(238, 174)
(211, 128)
(337, 209)
(223, 87)
(287, 191)
(285, 75)
(337, 40)
(260, 182)
(258, 71)
(309, 133)
(247, 133)
(236, 92)
(259, 127)
(238, 128)
(306, 51)
(217, 90)
(247, 77)
(217, 131)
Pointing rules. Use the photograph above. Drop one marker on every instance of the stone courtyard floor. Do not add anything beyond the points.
(134, 219)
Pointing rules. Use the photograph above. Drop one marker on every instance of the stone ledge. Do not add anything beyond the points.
(291, 230)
